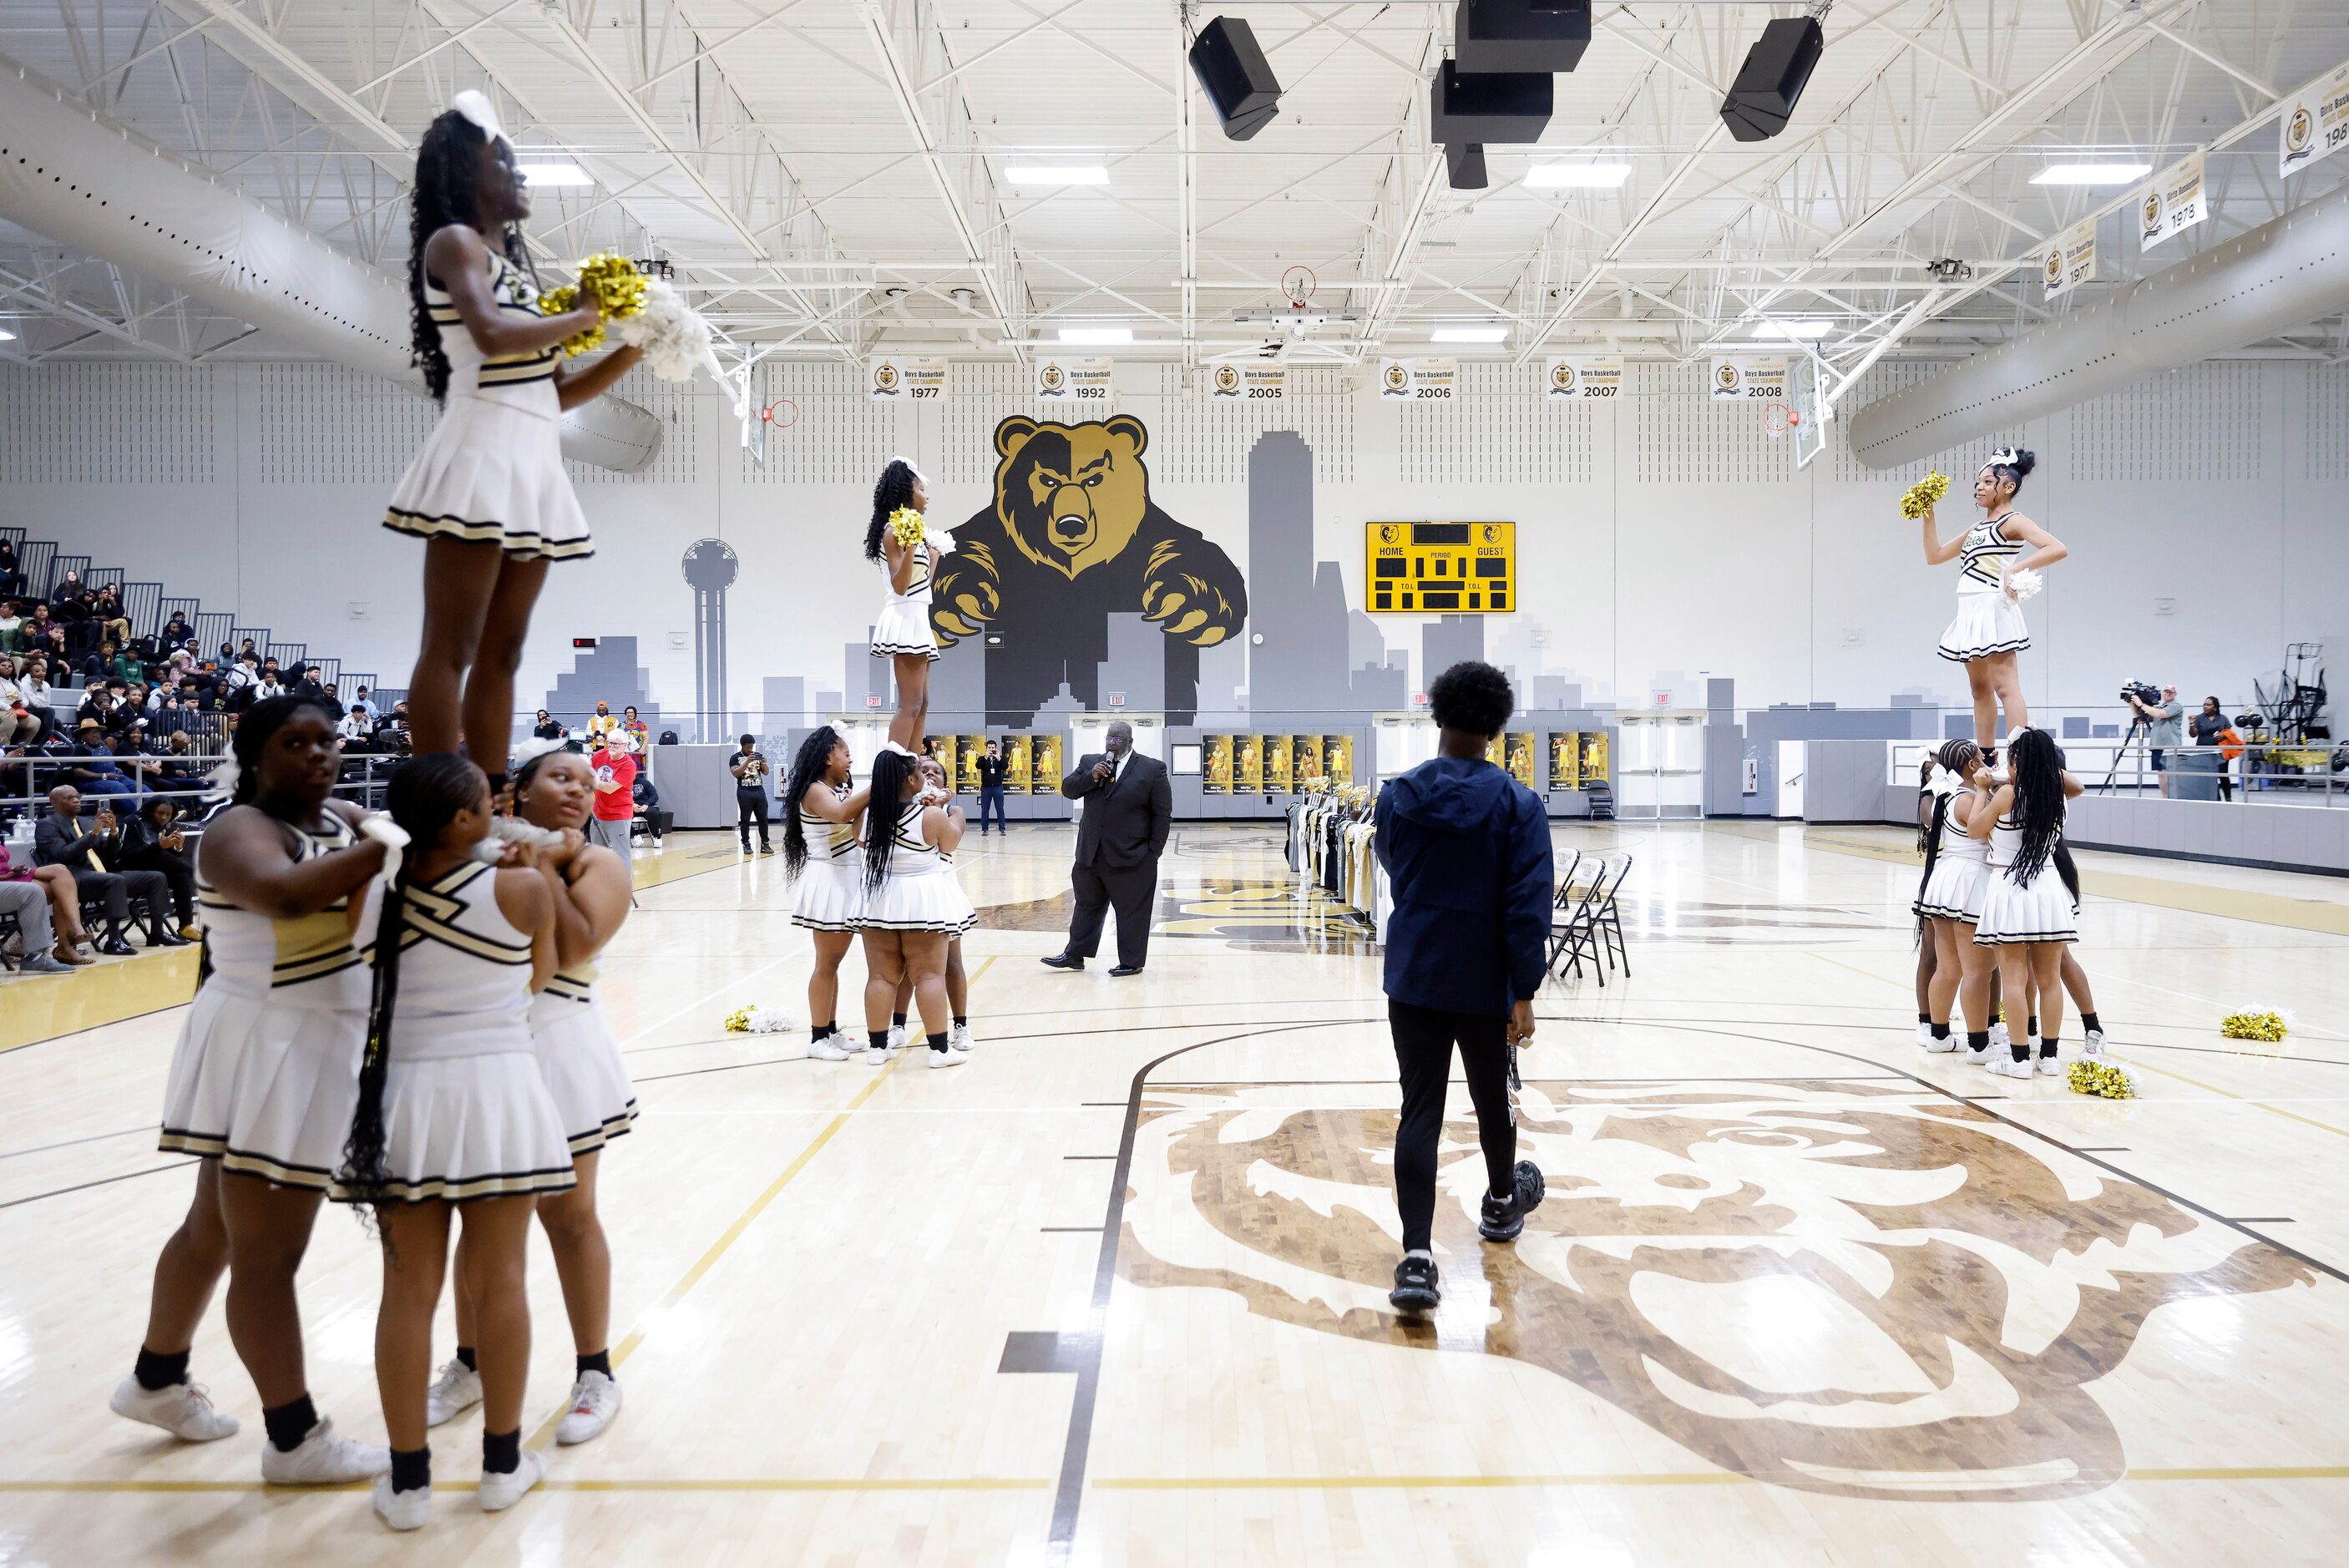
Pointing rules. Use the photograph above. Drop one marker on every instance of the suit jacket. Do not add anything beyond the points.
(1127, 820)
(60, 841)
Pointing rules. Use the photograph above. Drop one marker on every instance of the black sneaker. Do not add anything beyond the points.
(1504, 1217)
(1414, 1287)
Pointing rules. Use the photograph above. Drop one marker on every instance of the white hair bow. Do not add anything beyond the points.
(2005, 456)
(1943, 782)
(533, 748)
(476, 106)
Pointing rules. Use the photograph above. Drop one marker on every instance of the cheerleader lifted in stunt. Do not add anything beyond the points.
(901, 633)
(486, 491)
(1988, 631)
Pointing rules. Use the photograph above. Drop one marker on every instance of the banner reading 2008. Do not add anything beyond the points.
(1737, 380)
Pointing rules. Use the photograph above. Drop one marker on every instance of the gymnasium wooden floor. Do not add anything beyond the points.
(1114, 1293)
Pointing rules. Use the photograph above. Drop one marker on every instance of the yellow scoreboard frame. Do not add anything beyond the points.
(1450, 568)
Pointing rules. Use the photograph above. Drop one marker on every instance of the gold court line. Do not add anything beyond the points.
(732, 1233)
(688, 1484)
(2246, 1100)
(1864, 973)
(983, 968)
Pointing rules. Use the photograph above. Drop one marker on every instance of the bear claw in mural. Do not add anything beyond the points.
(1070, 539)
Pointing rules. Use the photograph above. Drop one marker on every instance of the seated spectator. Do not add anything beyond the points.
(365, 703)
(151, 842)
(547, 727)
(106, 609)
(355, 729)
(177, 632)
(11, 574)
(50, 922)
(93, 770)
(18, 724)
(40, 698)
(93, 858)
(183, 772)
(311, 683)
(12, 628)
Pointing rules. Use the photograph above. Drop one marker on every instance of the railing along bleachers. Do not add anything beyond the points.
(142, 605)
(212, 630)
(38, 559)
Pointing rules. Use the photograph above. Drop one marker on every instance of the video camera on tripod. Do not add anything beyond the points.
(2143, 691)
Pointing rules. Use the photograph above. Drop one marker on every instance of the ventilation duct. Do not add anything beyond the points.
(94, 187)
(2282, 274)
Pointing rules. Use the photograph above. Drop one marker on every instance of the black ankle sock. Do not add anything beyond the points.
(501, 1452)
(823, 1032)
(155, 1371)
(412, 1468)
(2021, 1049)
(1924, 1017)
(2047, 1051)
(1977, 1040)
(1941, 1031)
(289, 1424)
(962, 1020)
(599, 1362)
(897, 1020)
(938, 1044)
(2034, 1026)
(465, 1355)
(2088, 1021)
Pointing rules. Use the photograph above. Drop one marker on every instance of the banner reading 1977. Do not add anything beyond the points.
(905, 380)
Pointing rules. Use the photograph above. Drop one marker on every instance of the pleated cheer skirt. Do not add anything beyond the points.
(930, 900)
(459, 1127)
(1955, 891)
(581, 1063)
(832, 894)
(904, 628)
(2012, 915)
(1985, 623)
(266, 1089)
(492, 471)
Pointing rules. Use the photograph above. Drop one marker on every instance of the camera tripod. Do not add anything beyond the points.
(2137, 726)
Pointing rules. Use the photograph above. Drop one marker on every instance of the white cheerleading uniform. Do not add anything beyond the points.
(921, 892)
(1954, 890)
(581, 1062)
(904, 624)
(266, 1073)
(829, 891)
(2014, 913)
(466, 1111)
(492, 469)
(1987, 621)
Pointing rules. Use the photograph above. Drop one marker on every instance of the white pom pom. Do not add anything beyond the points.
(674, 337)
(221, 783)
(2024, 583)
(769, 1021)
(514, 830)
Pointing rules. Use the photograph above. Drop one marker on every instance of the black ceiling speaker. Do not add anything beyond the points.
(1770, 82)
(1490, 106)
(1465, 162)
(1238, 79)
(1520, 35)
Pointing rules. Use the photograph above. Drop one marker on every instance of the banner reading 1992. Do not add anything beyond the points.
(2315, 123)
(1734, 380)
(1072, 381)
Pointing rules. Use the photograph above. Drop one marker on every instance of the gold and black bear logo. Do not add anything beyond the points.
(1070, 539)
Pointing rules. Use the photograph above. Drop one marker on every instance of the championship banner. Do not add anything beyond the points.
(1248, 765)
(1418, 380)
(1072, 381)
(1216, 765)
(905, 380)
(2173, 203)
(1565, 760)
(1734, 380)
(1045, 778)
(1569, 376)
(1278, 751)
(1241, 381)
(1016, 776)
(2071, 258)
(2315, 123)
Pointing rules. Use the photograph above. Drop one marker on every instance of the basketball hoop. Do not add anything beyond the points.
(783, 414)
(1298, 283)
(1778, 420)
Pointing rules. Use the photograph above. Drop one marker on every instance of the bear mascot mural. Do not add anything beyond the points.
(1071, 539)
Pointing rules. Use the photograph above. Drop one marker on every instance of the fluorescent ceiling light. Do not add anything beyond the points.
(1579, 176)
(1469, 334)
(1096, 335)
(1805, 331)
(6, 335)
(1058, 173)
(545, 175)
(2091, 173)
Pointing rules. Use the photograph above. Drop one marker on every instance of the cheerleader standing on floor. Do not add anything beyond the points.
(581, 1063)
(261, 1089)
(1950, 902)
(1988, 632)
(2027, 908)
(912, 906)
(487, 490)
(936, 792)
(819, 850)
(901, 633)
(454, 1114)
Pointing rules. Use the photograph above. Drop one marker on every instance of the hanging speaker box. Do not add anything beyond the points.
(1511, 107)
(1465, 163)
(1235, 76)
(1501, 35)
(1770, 82)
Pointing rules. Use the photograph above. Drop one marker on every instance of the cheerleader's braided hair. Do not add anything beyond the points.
(424, 796)
(895, 489)
(2013, 464)
(814, 756)
(2038, 770)
(890, 771)
(1957, 756)
(447, 171)
(261, 721)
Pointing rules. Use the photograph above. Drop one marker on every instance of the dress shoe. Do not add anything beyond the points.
(1062, 961)
(66, 952)
(1122, 970)
(115, 947)
(191, 931)
(168, 939)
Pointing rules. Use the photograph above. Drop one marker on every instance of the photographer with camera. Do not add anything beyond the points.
(2158, 711)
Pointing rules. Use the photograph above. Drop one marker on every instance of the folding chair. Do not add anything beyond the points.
(1611, 916)
(1579, 932)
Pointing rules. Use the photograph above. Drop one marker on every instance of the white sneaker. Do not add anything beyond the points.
(2096, 1046)
(594, 1401)
(952, 1057)
(402, 1510)
(457, 1389)
(1982, 1057)
(897, 1038)
(1943, 1047)
(833, 1048)
(2005, 1066)
(960, 1038)
(322, 1460)
(1925, 1037)
(2048, 1065)
(183, 1409)
(1998, 1040)
(502, 1491)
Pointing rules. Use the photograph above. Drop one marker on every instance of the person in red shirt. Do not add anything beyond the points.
(614, 764)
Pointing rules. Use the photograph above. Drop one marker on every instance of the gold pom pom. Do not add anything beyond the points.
(556, 302)
(2105, 1080)
(2253, 1026)
(614, 283)
(1922, 495)
(739, 1021)
(906, 527)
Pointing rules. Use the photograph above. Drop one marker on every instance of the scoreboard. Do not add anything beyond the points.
(1452, 567)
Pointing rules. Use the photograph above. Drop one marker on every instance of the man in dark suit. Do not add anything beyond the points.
(92, 857)
(1129, 808)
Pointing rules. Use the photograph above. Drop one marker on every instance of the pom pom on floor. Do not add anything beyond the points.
(2254, 1025)
(758, 1021)
(2105, 1079)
